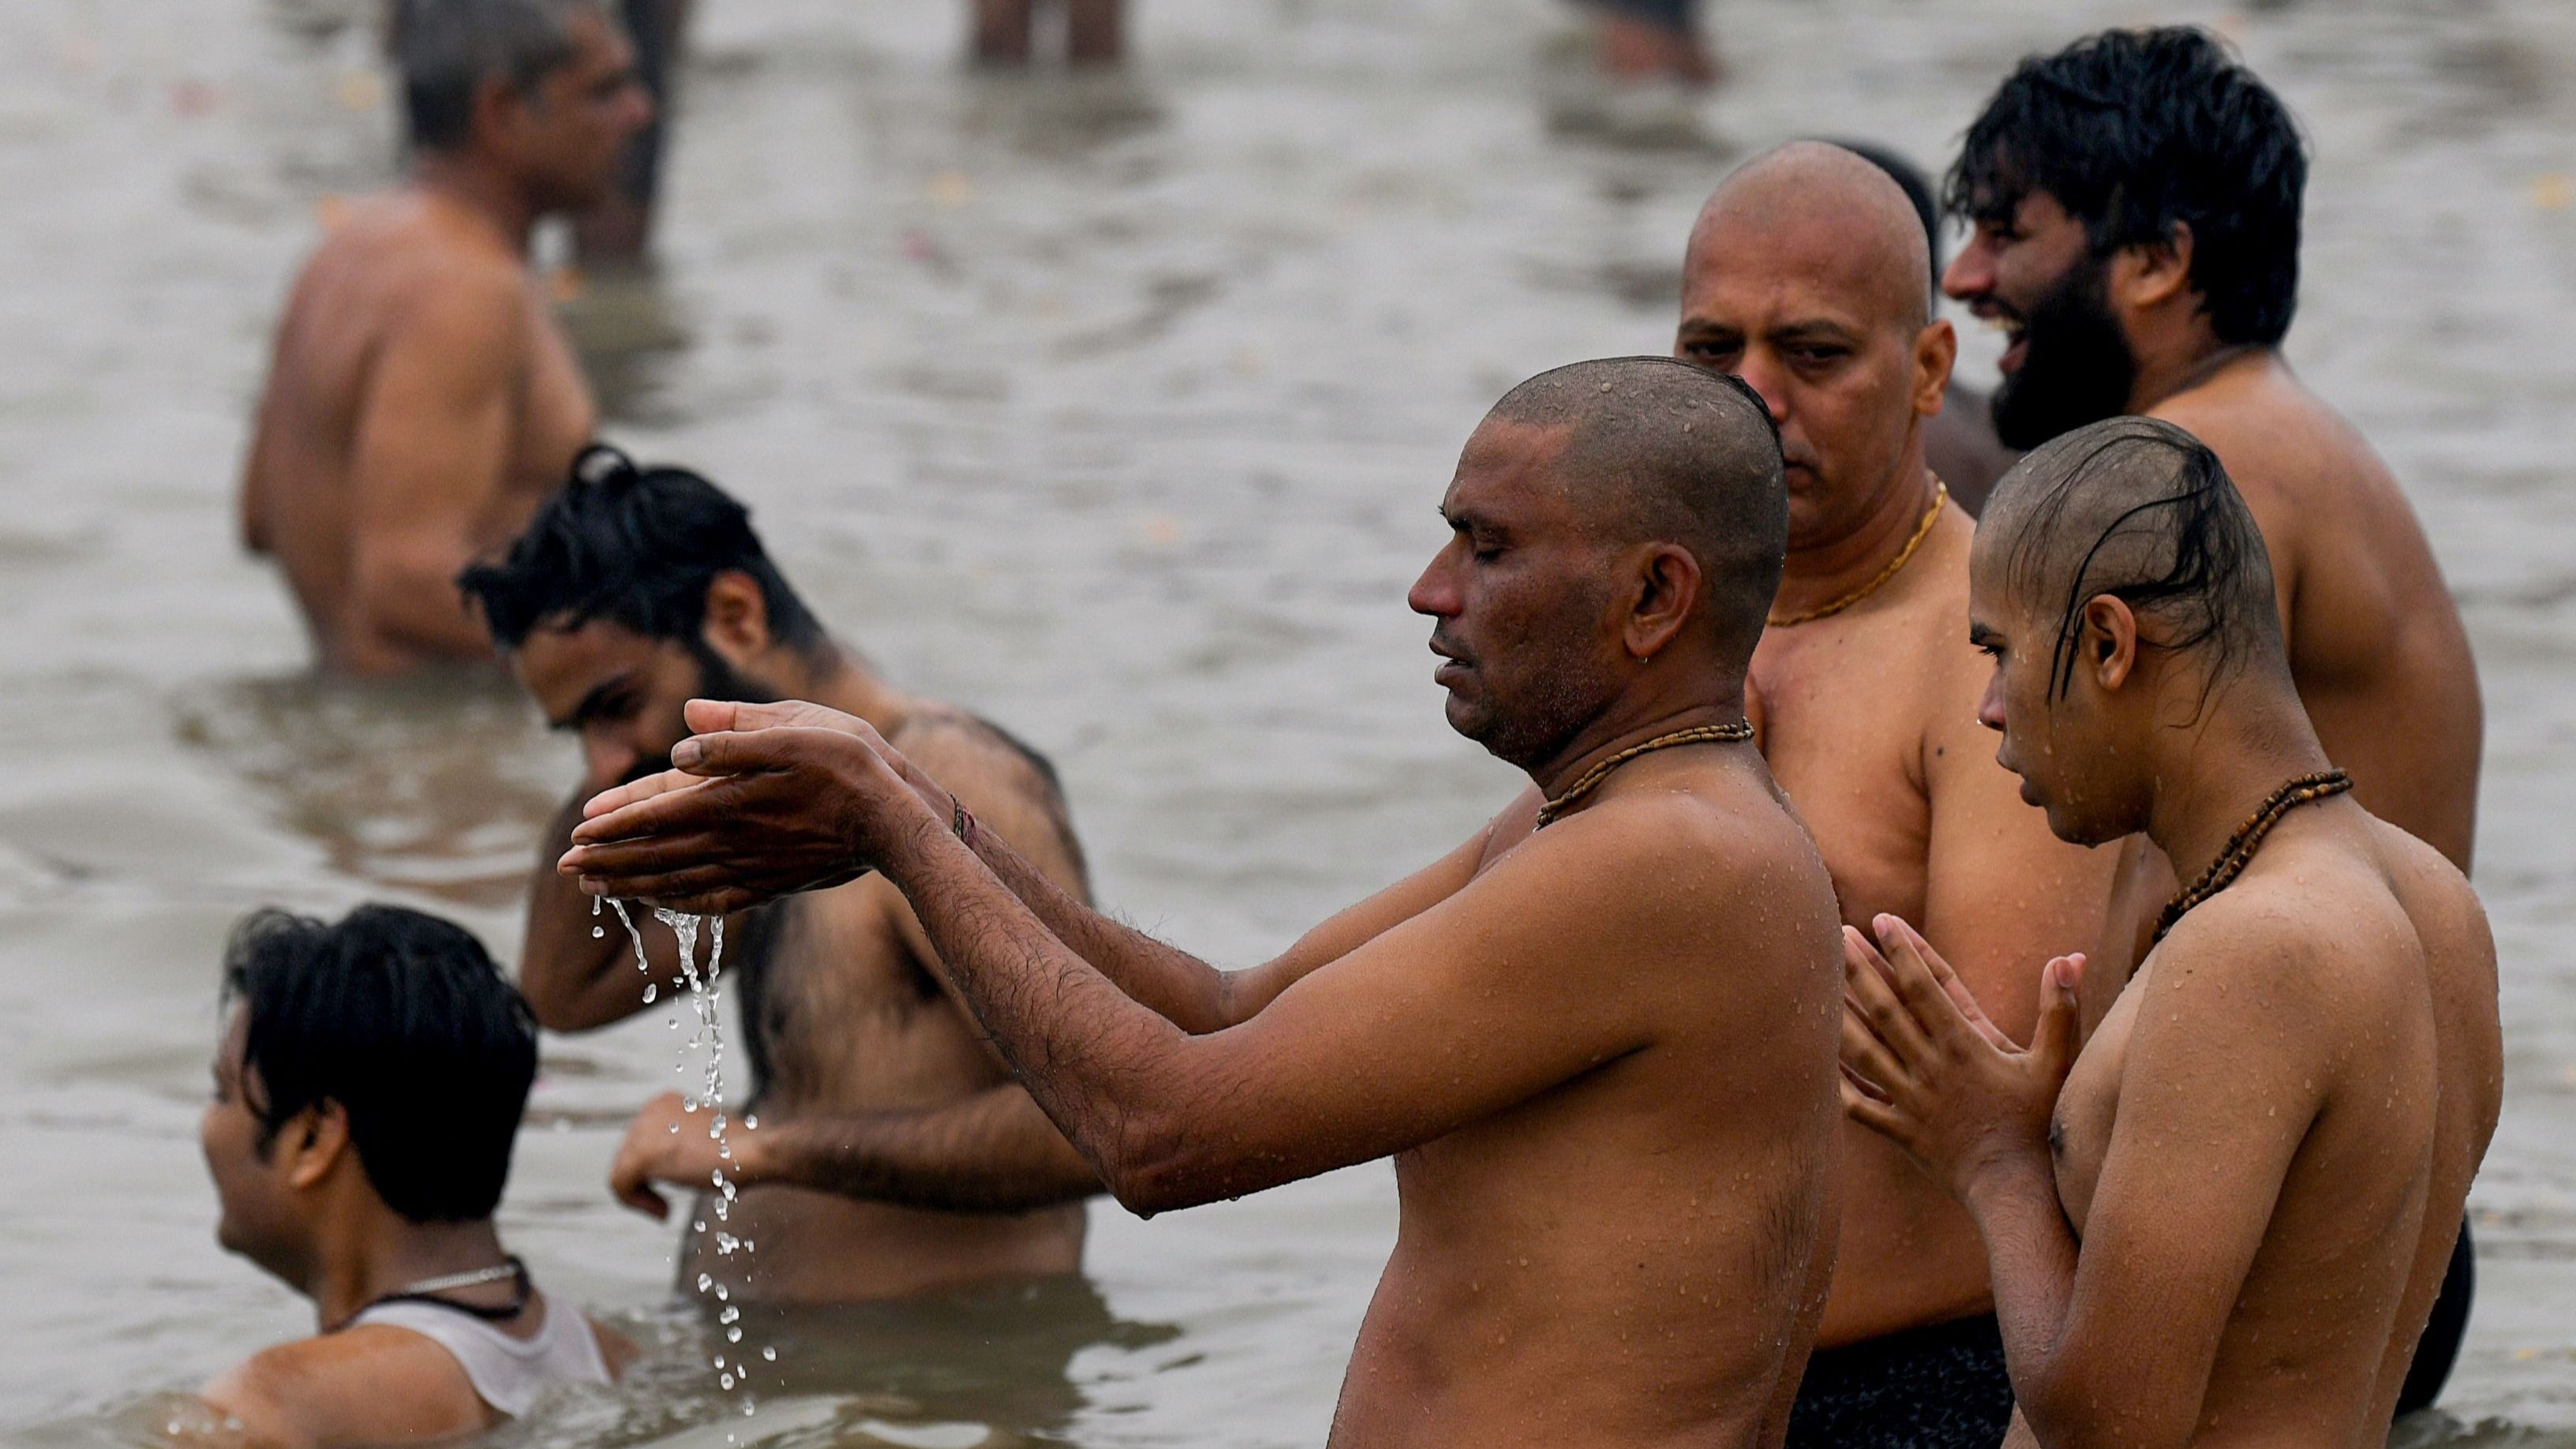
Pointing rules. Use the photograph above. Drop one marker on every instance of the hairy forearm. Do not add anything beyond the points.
(1185, 990)
(2030, 1256)
(575, 981)
(993, 1152)
(1106, 1067)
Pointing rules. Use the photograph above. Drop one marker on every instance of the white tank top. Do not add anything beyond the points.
(507, 1372)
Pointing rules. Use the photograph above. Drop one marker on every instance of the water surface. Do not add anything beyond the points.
(1118, 411)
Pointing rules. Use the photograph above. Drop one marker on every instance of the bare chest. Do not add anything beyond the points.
(2088, 1107)
(1842, 728)
(850, 1020)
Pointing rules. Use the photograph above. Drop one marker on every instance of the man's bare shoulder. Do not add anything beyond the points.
(373, 1384)
(2313, 922)
(395, 260)
(1723, 829)
(1009, 786)
(2279, 440)
(986, 765)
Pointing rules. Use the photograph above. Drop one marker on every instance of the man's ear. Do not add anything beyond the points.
(1666, 590)
(2109, 644)
(1936, 350)
(309, 1144)
(2150, 274)
(736, 624)
(499, 111)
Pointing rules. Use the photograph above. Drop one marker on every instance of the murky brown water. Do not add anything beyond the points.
(1117, 411)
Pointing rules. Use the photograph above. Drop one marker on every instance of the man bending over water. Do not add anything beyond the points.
(1807, 277)
(1595, 1036)
(893, 1154)
(422, 398)
(367, 1095)
(2225, 1220)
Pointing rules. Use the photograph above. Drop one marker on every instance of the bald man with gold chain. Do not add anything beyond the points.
(1808, 276)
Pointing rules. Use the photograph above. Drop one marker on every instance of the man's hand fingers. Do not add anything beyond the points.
(1870, 995)
(623, 860)
(1873, 1114)
(716, 716)
(1970, 1010)
(1915, 971)
(636, 792)
(1864, 1055)
(2056, 1039)
(630, 1180)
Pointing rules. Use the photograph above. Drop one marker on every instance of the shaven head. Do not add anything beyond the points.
(1872, 237)
(2140, 510)
(1617, 530)
(1809, 277)
(1660, 452)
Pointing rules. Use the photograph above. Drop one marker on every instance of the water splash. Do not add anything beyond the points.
(706, 1005)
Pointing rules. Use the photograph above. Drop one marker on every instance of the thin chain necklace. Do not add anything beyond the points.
(428, 1289)
(1591, 779)
(1922, 531)
(2239, 850)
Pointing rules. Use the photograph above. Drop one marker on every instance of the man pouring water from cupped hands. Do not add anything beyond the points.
(1610, 1102)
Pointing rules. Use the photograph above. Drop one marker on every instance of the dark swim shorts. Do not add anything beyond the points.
(1945, 1386)
(1941, 1387)
(2439, 1348)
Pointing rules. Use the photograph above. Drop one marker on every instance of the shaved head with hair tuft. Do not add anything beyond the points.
(1661, 451)
(2141, 510)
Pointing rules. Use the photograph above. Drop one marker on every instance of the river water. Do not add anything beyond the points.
(1118, 411)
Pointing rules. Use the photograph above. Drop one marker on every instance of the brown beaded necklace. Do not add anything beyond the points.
(2239, 850)
(1591, 779)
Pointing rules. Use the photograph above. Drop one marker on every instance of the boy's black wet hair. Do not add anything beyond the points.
(402, 1019)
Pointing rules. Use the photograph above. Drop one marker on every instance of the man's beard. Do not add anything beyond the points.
(716, 680)
(1532, 726)
(2077, 367)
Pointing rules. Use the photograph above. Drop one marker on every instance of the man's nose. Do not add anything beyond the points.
(1432, 593)
(1990, 712)
(1761, 372)
(1971, 274)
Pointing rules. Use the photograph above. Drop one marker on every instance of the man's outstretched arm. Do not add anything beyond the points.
(716, 842)
(1475, 1004)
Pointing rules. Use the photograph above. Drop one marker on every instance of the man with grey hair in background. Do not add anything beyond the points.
(422, 398)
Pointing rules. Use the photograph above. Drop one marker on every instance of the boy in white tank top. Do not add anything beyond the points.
(367, 1093)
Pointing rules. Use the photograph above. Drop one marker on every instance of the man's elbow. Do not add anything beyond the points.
(1163, 1169)
(2066, 1411)
(407, 590)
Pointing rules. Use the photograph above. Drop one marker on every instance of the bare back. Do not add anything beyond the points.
(2376, 644)
(1636, 1255)
(421, 400)
(2316, 1051)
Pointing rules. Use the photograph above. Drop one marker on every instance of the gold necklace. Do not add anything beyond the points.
(2238, 853)
(1922, 531)
(1549, 810)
